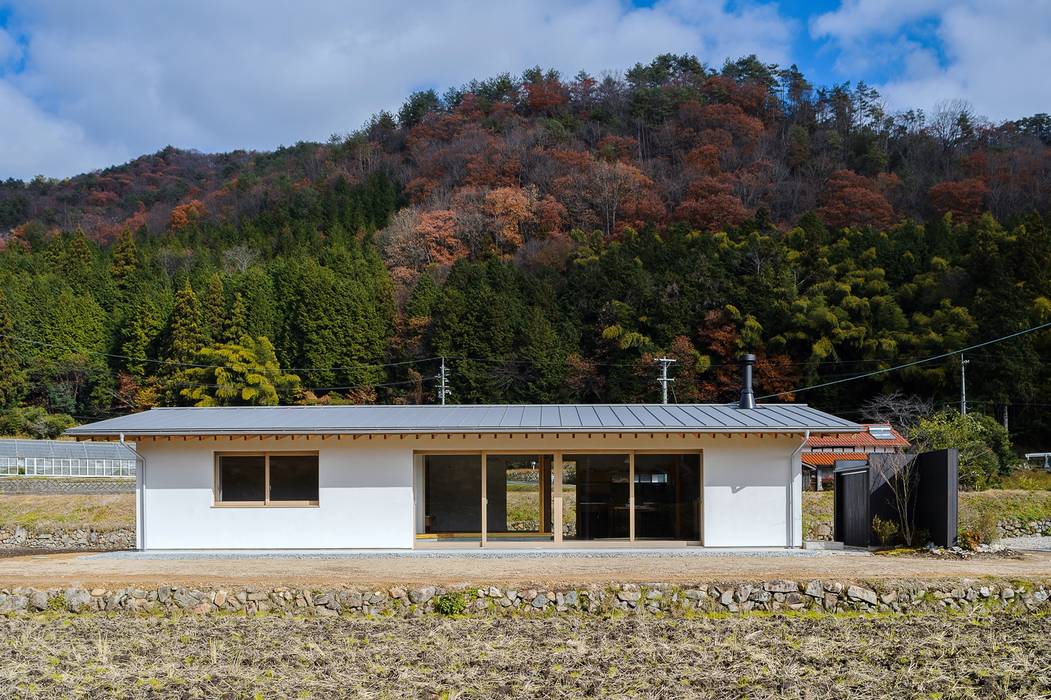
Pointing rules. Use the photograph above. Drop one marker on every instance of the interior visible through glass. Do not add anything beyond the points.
(600, 493)
(293, 477)
(668, 496)
(454, 493)
(242, 478)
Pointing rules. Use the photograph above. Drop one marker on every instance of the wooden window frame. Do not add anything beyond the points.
(266, 502)
(556, 471)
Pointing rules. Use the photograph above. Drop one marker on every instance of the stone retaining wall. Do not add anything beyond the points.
(58, 484)
(19, 537)
(1019, 528)
(684, 601)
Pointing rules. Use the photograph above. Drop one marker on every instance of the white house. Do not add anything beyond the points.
(455, 476)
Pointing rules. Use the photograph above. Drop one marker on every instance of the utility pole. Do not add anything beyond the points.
(664, 380)
(963, 386)
(443, 383)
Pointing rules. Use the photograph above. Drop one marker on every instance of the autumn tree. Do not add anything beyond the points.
(854, 200)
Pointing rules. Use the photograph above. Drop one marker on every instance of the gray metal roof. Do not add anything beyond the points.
(64, 449)
(520, 418)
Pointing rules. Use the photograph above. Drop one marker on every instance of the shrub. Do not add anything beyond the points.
(986, 455)
(885, 530)
(34, 422)
(451, 604)
(983, 528)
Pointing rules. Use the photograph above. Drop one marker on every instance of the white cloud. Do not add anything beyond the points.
(126, 78)
(35, 143)
(992, 54)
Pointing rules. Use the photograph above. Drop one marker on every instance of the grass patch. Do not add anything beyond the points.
(1022, 505)
(45, 512)
(1028, 480)
(818, 508)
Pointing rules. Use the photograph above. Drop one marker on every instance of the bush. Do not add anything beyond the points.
(986, 455)
(34, 422)
(982, 528)
(451, 604)
(885, 530)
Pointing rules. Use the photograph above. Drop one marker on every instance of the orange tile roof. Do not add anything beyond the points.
(829, 459)
(859, 440)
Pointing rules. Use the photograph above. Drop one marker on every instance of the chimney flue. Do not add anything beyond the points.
(747, 397)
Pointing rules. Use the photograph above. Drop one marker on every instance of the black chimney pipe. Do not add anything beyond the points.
(747, 397)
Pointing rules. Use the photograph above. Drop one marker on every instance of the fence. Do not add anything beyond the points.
(75, 466)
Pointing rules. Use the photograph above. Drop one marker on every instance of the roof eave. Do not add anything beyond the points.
(82, 433)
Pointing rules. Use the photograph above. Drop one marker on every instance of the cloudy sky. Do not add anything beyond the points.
(84, 85)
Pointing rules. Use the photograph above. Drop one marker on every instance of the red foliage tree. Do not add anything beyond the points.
(185, 214)
(854, 200)
(711, 205)
(964, 199)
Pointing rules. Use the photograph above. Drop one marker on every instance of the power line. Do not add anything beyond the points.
(910, 364)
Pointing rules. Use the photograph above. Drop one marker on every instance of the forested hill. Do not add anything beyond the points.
(549, 237)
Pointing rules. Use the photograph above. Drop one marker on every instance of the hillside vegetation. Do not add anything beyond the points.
(549, 236)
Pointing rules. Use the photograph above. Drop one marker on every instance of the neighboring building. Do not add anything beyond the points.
(65, 458)
(823, 452)
(426, 476)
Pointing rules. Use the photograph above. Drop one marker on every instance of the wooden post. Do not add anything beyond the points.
(631, 496)
(485, 499)
(556, 517)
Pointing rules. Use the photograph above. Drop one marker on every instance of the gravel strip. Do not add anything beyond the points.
(685, 553)
(1040, 544)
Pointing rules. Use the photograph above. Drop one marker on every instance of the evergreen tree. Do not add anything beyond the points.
(12, 378)
(185, 335)
(236, 326)
(213, 308)
(124, 260)
(138, 337)
(238, 374)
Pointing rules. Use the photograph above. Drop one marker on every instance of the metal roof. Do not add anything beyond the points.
(519, 418)
(64, 449)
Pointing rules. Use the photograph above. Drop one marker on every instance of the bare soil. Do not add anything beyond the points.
(54, 570)
(753, 656)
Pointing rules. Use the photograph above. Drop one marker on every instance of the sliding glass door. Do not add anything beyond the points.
(568, 496)
(668, 496)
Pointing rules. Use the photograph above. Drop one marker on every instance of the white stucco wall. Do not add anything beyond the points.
(746, 493)
(365, 499)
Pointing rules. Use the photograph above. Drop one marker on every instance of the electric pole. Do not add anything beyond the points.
(443, 383)
(963, 386)
(664, 380)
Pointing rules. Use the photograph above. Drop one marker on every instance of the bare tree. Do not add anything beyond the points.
(901, 411)
(239, 258)
(901, 477)
(952, 122)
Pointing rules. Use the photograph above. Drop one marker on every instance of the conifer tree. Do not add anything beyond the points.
(12, 379)
(125, 260)
(213, 306)
(186, 336)
(138, 335)
(235, 328)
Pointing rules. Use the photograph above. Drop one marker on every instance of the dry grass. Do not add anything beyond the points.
(820, 656)
(51, 511)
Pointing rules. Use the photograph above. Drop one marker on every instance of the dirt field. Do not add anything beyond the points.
(54, 570)
(932, 656)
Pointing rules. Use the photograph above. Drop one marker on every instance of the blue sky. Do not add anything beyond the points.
(84, 85)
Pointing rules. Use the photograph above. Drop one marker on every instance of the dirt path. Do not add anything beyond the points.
(57, 570)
